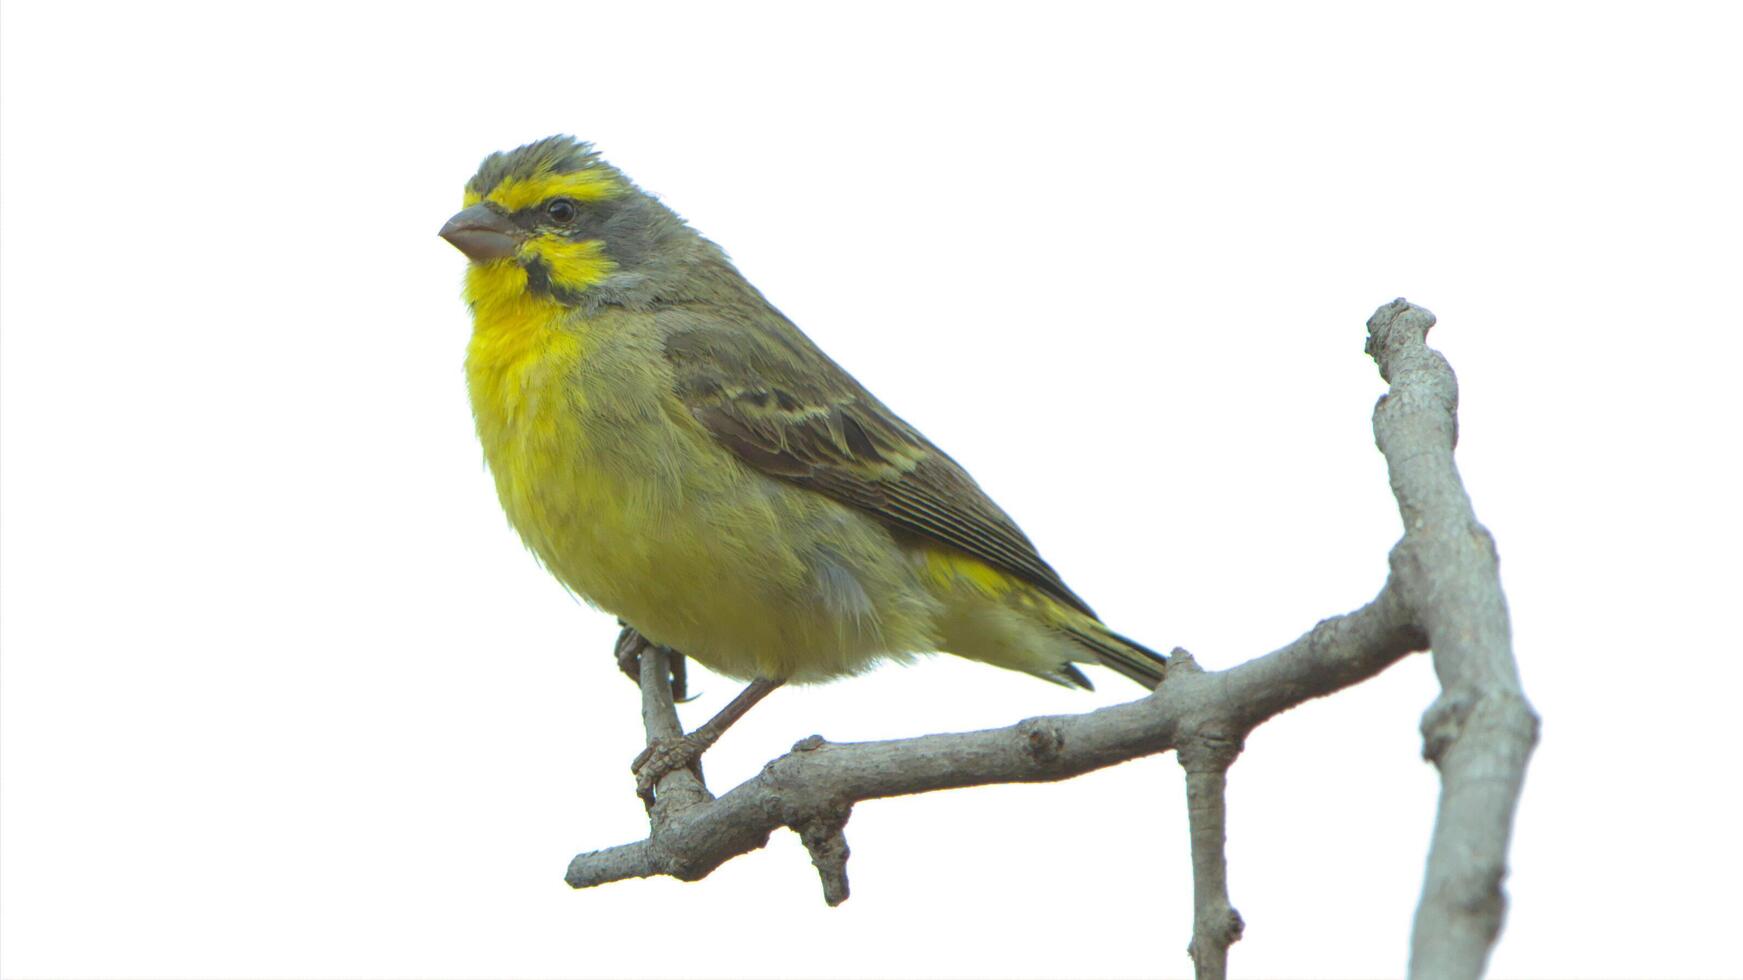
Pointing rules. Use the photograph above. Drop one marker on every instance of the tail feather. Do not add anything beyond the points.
(1123, 656)
(1067, 675)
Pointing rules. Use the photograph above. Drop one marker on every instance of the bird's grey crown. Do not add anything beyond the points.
(552, 155)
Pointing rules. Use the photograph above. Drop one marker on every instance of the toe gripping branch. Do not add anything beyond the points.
(680, 807)
(668, 770)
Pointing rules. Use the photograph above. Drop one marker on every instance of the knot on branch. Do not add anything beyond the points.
(1413, 572)
(1478, 894)
(1486, 543)
(1214, 931)
(1392, 326)
(822, 833)
(1459, 710)
(1206, 747)
(1444, 721)
(1322, 639)
(1042, 739)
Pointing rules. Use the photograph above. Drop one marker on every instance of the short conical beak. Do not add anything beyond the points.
(483, 233)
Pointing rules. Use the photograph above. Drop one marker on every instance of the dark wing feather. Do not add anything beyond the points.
(782, 406)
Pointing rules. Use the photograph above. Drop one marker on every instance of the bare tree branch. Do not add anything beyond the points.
(818, 780)
(1443, 588)
(1480, 731)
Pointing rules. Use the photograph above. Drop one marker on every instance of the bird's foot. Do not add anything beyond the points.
(629, 660)
(629, 652)
(663, 757)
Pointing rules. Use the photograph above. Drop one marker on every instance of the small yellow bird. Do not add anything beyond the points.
(678, 454)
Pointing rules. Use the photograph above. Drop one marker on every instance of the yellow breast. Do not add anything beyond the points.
(586, 463)
(631, 505)
(518, 369)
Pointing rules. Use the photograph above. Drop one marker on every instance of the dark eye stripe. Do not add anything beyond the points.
(539, 283)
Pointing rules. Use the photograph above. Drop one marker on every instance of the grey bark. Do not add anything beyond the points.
(1480, 731)
(1206, 758)
(1443, 591)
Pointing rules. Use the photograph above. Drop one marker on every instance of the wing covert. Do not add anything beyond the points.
(770, 396)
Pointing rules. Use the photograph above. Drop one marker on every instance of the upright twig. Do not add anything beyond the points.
(1206, 755)
(1480, 731)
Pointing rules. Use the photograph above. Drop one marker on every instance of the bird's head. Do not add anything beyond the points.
(553, 222)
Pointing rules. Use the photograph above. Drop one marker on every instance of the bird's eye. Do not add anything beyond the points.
(562, 210)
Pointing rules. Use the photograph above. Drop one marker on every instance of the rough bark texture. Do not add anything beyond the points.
(1481, 730)
(1443, 591)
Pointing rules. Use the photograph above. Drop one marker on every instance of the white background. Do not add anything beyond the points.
(283, 695)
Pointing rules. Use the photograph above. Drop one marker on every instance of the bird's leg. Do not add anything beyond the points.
(629, 660)
(666, 755)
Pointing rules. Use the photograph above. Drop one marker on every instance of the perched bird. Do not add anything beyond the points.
(678, 454)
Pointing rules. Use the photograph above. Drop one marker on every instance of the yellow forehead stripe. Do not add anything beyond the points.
(582, 185)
